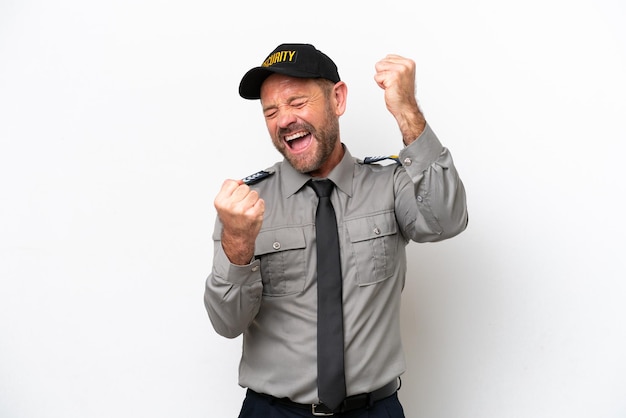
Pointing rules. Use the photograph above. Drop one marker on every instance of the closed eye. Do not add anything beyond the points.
(270, 113)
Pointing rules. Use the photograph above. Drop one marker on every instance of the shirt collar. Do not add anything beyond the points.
(341, 175)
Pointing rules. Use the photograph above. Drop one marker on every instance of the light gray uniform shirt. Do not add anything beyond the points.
(273, 300)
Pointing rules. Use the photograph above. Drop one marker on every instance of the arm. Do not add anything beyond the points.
(233, 289)
(431, 200)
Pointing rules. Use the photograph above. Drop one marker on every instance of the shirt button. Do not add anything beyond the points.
(420, 198)
(407, 161)
(377, 231)
(276, 245)
(255, 268)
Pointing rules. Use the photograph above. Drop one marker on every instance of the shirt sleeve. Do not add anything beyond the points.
(430, 196)
(232, 295)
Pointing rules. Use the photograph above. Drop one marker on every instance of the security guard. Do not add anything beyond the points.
(267, 264)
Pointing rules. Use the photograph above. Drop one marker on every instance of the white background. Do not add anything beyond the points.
(119, 121)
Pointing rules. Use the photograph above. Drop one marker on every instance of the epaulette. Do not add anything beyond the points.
(257, 177)
(371, 160)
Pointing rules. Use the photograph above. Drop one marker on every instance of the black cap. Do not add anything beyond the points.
(295, 60)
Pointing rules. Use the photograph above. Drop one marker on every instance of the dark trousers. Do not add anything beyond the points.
(259, 406)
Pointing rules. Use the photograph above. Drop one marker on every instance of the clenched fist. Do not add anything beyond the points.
(396, 75)
(240, 209)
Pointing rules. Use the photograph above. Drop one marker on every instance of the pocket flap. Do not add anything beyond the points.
(283, 239)
(371, 226)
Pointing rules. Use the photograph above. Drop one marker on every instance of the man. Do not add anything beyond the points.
(269, 260)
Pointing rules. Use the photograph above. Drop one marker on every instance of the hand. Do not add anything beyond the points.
(240, 209)
(396, 75)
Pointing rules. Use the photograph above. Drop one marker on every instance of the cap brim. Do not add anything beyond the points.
(250, 85)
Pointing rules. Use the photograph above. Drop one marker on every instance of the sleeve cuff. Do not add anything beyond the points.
(421, 153)
(238, 274)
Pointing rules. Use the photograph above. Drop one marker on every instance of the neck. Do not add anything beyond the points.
(331, 162)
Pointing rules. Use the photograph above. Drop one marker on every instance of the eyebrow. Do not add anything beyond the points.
(289, 101)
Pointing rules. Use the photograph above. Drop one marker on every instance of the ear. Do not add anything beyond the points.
(340, 96)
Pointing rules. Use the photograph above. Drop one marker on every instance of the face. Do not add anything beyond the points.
(303, 122)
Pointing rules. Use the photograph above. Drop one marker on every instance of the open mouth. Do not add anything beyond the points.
(298, 141)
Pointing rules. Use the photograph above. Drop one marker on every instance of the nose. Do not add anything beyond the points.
(286, 117)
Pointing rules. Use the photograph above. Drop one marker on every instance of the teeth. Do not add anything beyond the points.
(295, 136)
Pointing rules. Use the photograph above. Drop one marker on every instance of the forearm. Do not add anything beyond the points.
(411, 123)
(435, 195)
(239, 250)
(232, 294)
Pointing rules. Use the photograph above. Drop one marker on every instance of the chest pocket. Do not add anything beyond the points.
(283, 263)
(374, 245)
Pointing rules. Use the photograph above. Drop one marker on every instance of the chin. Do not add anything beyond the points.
(303, 167)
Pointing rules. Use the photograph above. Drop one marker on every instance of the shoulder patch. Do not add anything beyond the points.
(257, 177)
(375, 159)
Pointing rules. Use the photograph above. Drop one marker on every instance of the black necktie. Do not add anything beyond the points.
(330, 370)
